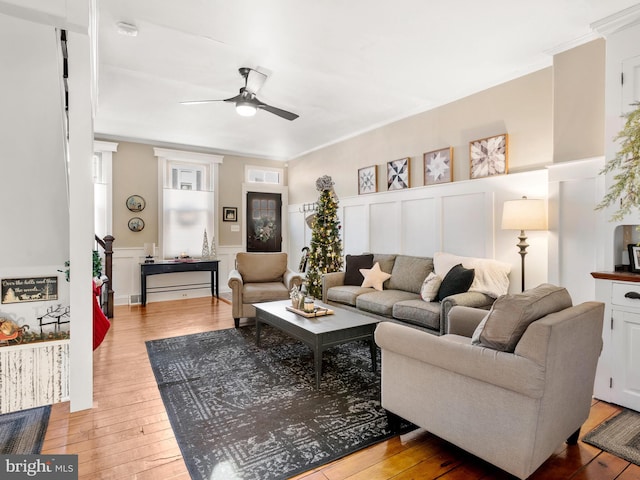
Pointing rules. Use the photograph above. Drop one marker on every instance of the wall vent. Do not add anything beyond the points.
(135, 299)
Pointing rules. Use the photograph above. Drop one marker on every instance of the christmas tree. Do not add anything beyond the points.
(325, 254)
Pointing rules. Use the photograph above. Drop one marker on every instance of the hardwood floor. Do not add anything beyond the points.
(127, 434)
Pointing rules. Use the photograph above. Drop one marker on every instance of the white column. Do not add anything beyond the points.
(81, 221)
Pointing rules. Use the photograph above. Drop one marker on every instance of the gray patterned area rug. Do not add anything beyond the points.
(22, 433)
(619, 435)
(243, 412)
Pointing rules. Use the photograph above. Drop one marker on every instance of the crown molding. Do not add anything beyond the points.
(618, 21)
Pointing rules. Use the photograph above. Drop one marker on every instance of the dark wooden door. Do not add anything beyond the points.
(264, 222)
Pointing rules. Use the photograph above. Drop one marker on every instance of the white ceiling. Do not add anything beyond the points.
(344, 66)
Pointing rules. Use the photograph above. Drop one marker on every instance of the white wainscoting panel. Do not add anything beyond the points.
(465, 220)
(385, 227)
(126, 274)
(126, 277)
(419, 226)
(357, 218)
(574, 191)
(459, 217)
(297, 238)
(33, 375)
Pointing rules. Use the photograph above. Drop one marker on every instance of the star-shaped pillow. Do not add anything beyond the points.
(374, 277)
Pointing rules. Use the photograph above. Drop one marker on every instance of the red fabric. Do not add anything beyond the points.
(101, 323)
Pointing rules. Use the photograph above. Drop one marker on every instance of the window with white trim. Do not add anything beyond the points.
(186, 200)
(266, 175)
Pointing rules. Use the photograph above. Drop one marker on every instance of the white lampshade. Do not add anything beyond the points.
(524, 214)
(245, 109)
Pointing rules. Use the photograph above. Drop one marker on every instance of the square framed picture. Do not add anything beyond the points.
(398, 174)
(367, 180)
(229, 214)
(634, 257)
(438, 166)
(489, 156)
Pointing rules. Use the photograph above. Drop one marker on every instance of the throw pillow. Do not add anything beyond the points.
(457, 280)
(475, 338)
(374, 277)
(353, 264)
(512, 314)
(492, 276)
(430, 287)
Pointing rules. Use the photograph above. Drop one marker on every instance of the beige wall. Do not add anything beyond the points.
(230, 192)
(135, 171)
(578, 109)
(552, 115)
(522, 108)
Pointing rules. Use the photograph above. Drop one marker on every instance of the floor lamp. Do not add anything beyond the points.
(524, 214)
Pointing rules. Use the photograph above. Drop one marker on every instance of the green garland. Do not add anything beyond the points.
(626, 186)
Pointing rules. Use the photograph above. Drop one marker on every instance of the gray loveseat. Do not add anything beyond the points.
(400, 300)
(509, 391)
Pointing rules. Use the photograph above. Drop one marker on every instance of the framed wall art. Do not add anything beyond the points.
(438, 166)
(398, 174)
(367, 180)
(32, 289)
(229, 214)
(136, 203)
(489, 156)
(634, 257)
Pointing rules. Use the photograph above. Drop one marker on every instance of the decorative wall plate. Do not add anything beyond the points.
(136, 203)
(136, 224)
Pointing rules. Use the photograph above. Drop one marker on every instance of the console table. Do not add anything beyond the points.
(157, 268)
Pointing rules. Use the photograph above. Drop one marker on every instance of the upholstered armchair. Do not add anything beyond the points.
(259, 277)
(509, 391)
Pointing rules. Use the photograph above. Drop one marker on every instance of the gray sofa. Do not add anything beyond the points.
(512, 403)
(400, 300)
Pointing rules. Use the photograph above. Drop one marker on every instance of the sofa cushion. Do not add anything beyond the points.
(409, 272)
(492, 276)
(418, 312)
(457, 280)
(385, 260)
(353, 264)
(261, 267)
(430, 287)
(346, 294)
(512, 314)
(374, 277)
(382, 302)
(264, 292)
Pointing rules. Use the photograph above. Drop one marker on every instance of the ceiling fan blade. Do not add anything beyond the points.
(278, 111)
(255, 80)
(196, 102)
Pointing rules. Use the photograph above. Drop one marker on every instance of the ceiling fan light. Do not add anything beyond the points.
(245, 109)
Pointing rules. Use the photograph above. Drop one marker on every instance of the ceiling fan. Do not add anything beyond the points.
(247, 104)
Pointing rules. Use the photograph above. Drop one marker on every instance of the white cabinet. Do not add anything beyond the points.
(618, 375)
